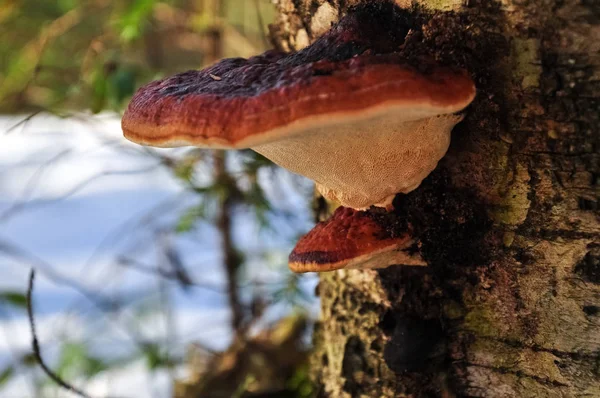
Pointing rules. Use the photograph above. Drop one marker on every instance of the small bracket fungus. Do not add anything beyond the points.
(352, 239)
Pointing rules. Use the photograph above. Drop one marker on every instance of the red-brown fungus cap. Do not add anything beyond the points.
(347, 111)
(352, 239)
(350, 72)
(260, 100)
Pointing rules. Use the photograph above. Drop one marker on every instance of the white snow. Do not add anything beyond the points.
(74, 198)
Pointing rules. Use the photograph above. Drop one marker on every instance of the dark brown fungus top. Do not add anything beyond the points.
(244, 102)
(352, 239)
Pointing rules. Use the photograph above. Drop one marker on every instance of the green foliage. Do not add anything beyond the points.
(255, 197)
(92, 54)
(301, 384)
(290, 292)
(227, 187)
(29, 360)
(14, 299)
(111, 85)
(190, 217)
(135, 19)
(66, 5)
(243, 387)
(254, 161)
(155, 357)
(75, 360)
(6, 374)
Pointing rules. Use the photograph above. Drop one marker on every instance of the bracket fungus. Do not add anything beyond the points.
(347, 111)
(352, 239)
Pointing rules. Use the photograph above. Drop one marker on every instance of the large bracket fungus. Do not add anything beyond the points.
(347, 111)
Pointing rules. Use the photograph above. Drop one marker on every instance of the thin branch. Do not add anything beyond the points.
(170, 326)
(23, 122)
(33, 181)
(50, 272)
(102, 303)
(133, 223)
(232, 262)
(165, 274)
(36, 346)
(21, 205)
(138, 220)
(17, 357)
(173, 260)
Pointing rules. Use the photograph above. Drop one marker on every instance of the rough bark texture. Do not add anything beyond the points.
(509, 305)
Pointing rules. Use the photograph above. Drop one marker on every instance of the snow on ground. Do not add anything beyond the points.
(74, 197)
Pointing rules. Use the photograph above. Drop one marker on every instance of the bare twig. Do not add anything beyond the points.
(165, 274)
(23, 122)
(170, 325)
(36, 345)
(138, 220)
(19, 206)
(17, 358)
(173, 261)
(228, 247)
(50, 272)
(33, 182)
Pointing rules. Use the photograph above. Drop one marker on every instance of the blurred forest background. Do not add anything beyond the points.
(161, 272)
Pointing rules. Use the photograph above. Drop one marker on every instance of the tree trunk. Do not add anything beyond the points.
(509, 305)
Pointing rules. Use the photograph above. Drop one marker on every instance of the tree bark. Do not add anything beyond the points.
(509, 223)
